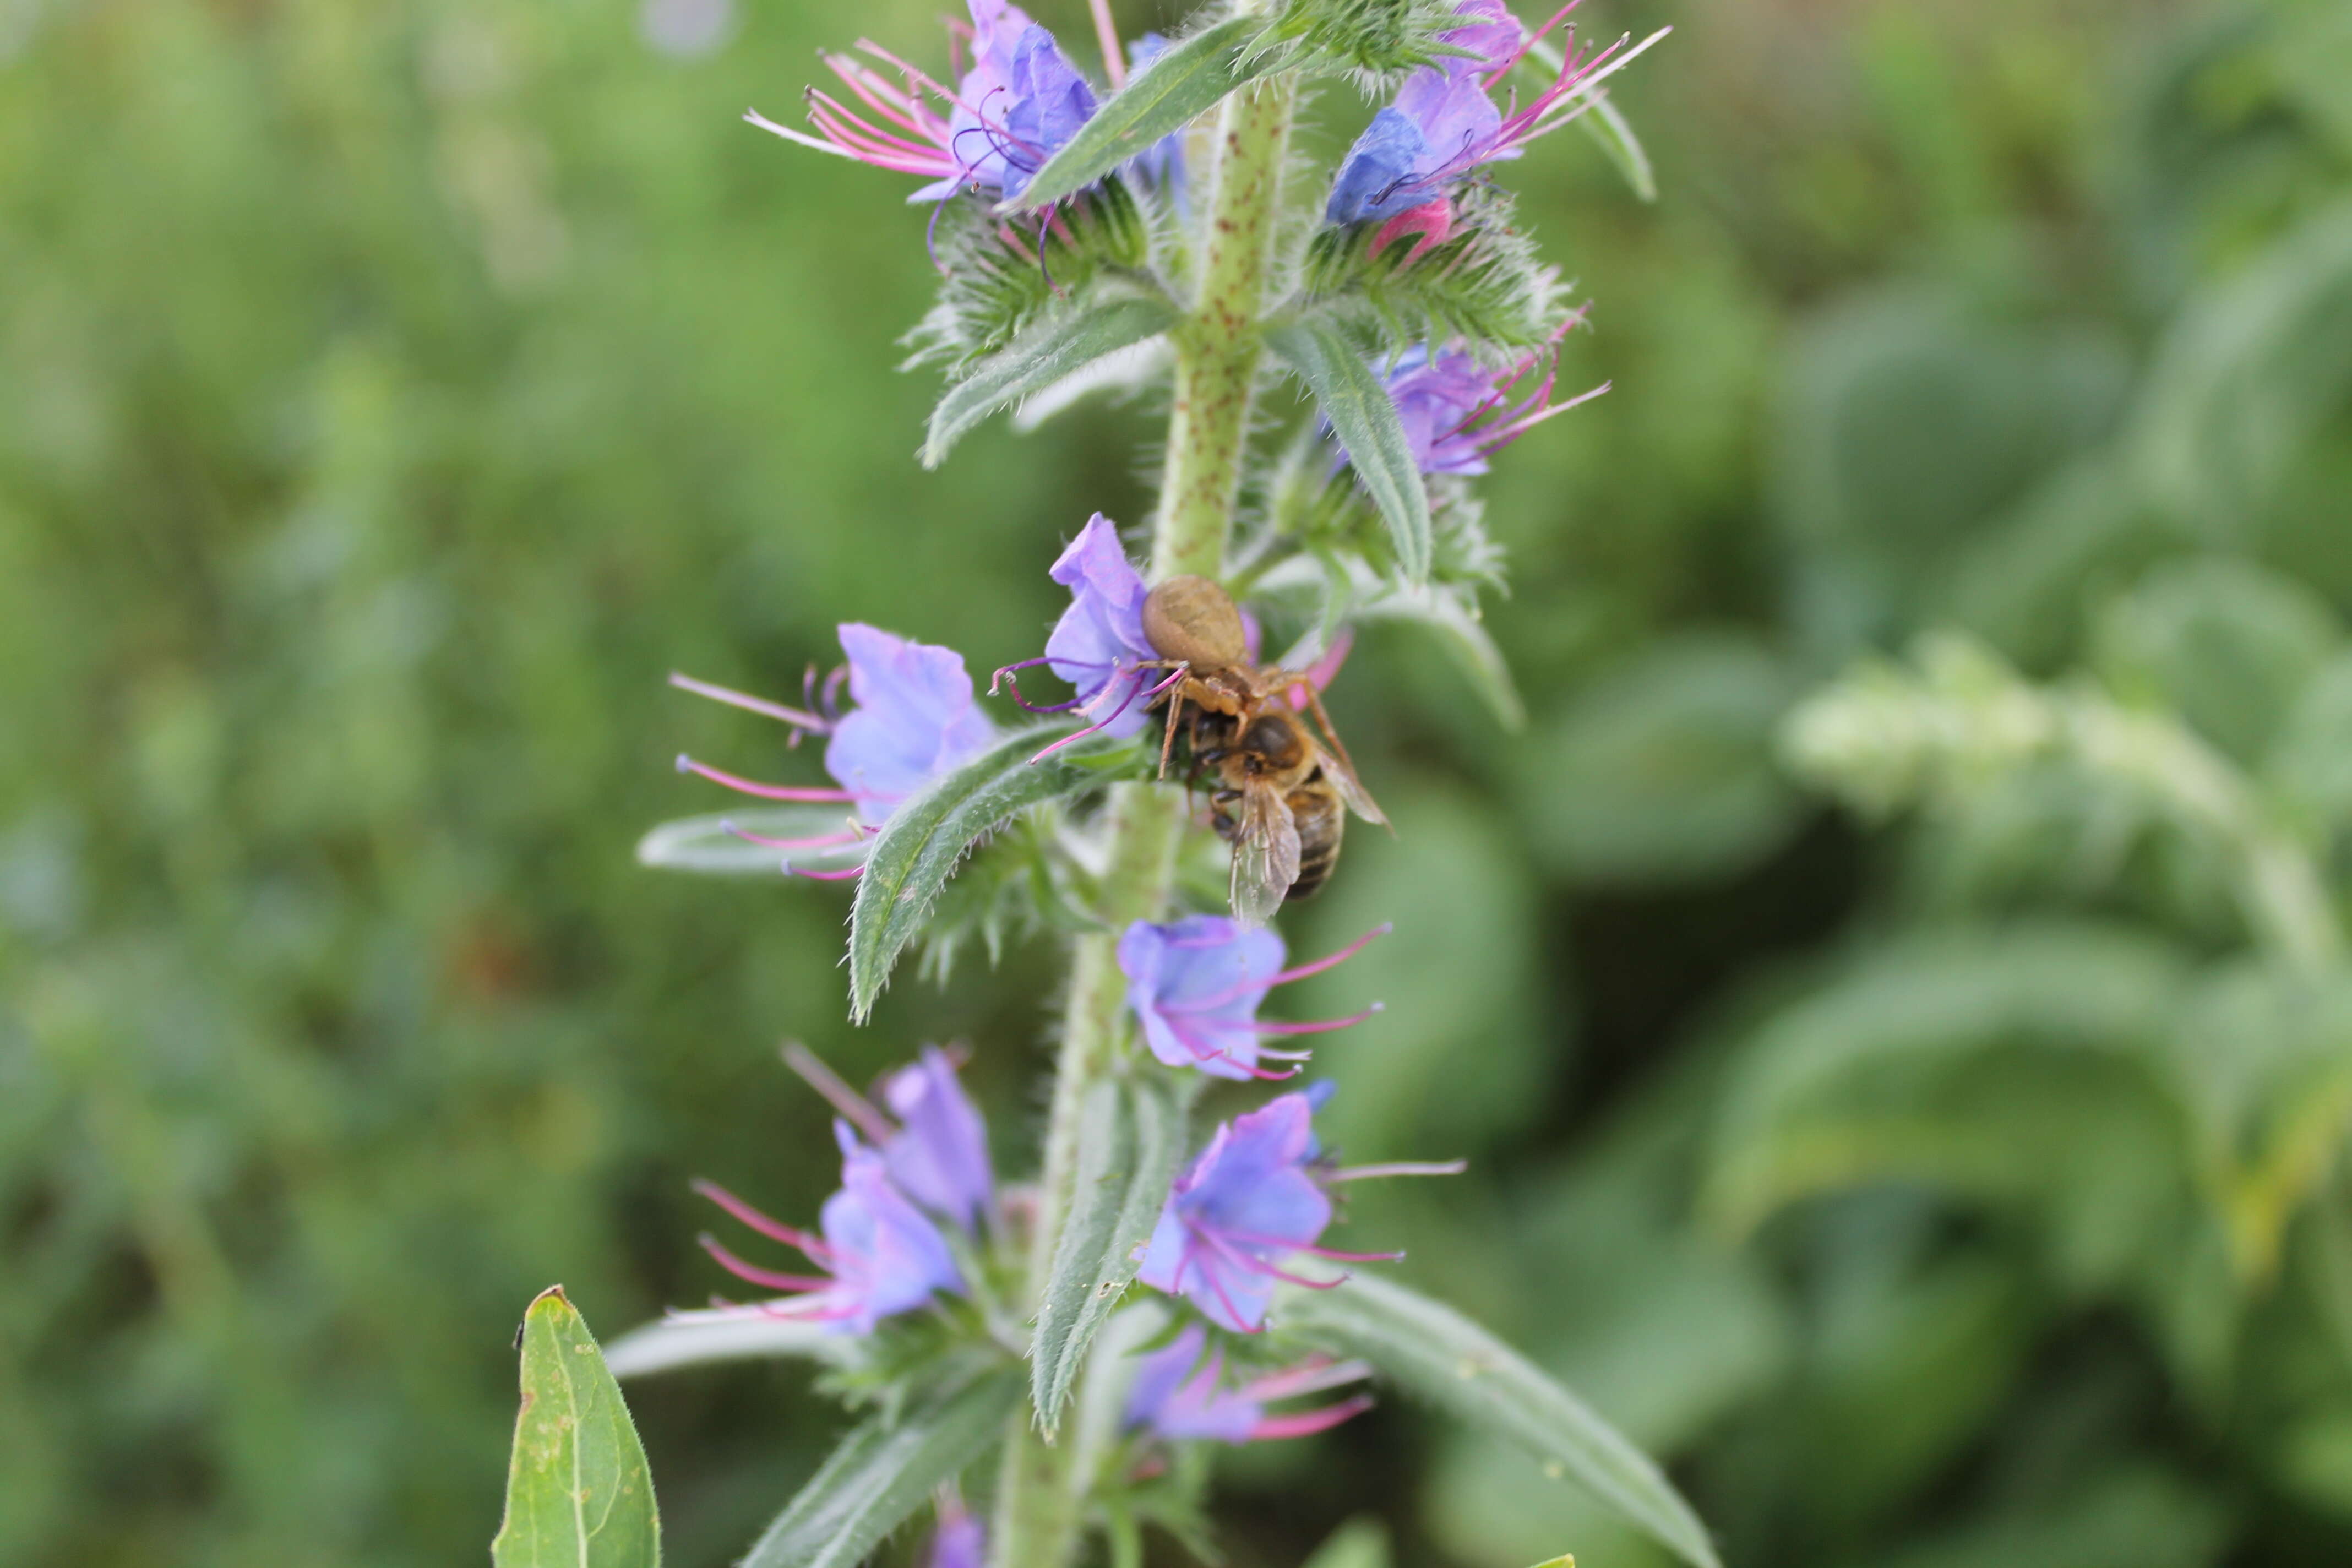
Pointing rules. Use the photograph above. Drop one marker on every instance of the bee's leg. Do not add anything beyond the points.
(1338, 747)
(1175, 712)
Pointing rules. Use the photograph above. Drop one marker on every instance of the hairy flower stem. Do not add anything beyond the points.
(1218, 344)
(1038, 1511)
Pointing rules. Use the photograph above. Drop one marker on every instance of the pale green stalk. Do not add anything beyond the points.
(1218, 345)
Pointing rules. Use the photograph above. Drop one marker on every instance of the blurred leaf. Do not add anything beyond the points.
(1450, 614)
(1188, 80)
(2310, 761)
(1062, 345)
(2227, 644)
(1663, 769)
(2141, 1517)
(1351, 395)
(1359, 1543)
(703, 844)
(928, 834)
(579, 1495)
(707, 1338)
(1607, 125)
(1129, 1143)
(882, 1472)
(1436, 1354)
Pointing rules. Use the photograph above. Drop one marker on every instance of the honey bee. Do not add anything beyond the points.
(1280, 791)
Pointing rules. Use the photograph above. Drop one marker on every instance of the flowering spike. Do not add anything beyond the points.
(1178, 1393)
(1195, 987)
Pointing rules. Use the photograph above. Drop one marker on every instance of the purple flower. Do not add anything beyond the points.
(1020, 102)
(1178, 1395)
(1195, 987)
(1246, 1204)
(914, 720)
(938, 1156)
(961, 1541)
(881, 1254)
(1456, 410)
(1444, 126)
(1097, 646)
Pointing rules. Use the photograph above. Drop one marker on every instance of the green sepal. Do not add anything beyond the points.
(578, 1492)
(1485, 286)
(1129, 1142)
(1187, 79)
(1059, 346)
(1434, 1353)
(1352, 397)
(882, 1472)
(927, 835)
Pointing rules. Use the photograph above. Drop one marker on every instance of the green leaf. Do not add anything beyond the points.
(1354, 400)
(1451, 615)
(578, 1494)
(1060, 346)
(1433, 1351)
(928, 834)
(1182, 84)
(881, 1474)
(702, 844)
(702, 1339)
(1128, 1146)
(1607, 126)
(1362, 1543)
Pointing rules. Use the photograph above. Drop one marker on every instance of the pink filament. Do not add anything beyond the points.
(765, 791)
(775, 1230)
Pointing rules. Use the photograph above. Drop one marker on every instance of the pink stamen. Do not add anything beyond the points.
(819, 841)
(1322, 1026)
(745, 700)
(1307, 1423)
(856, 1109)
(1344, 954)
(758, 1276)
(687, 765)
(845, 876)
(774, 1230)
(1106, 37)
(1311, 1376)
(1399, 1168)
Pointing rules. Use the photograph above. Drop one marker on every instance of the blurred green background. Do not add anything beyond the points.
(391, 394)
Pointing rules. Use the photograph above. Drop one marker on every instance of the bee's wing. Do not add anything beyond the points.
(1266, 855)
(1343, 779)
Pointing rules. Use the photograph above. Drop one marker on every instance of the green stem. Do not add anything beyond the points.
(1038, 1517)
(1219, 343)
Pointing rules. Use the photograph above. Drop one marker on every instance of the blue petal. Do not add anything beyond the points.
(1375, 179)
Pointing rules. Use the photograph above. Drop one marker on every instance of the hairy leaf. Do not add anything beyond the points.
(1056, 347)
(704, 845)
(578, 1494)
(1187, 80)
(703, 1339)
(1129, 1146)
(928, 834)
(1354, 399)
(1607, 126)
(1485, 286)
(999, 279)
(881, 1474)
(1434, 1353)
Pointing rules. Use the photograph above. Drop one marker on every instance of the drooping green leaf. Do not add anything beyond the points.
(1449, 614)
(919, 846)
(578, 1493)
(881, 1474)
(1191, 78)
(1128, 1146)
(704, 845)
(1434, 1353)
(1607, 126)
(1362, 1543)
(1058, 347)
(1351, 396)
(702, 1339)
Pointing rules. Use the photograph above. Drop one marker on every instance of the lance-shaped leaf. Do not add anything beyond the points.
(881, 1474)
(1434, 1353)
(1607, 125)
(1357, 405)
(928, 834)
(1129, 1144)
(705, 845)
(1060, 346)
(702, 1338)
(1187, 80)
(1449, 614)
(578, 1493)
